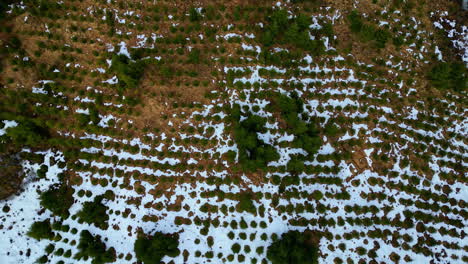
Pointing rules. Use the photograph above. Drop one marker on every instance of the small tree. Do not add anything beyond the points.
(150, 250)
(94, 213)
(58, 199)
(293, 248)
(92, 246)
(41, 230)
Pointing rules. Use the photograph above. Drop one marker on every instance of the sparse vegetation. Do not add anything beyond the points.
(221, 124)
(367, 31)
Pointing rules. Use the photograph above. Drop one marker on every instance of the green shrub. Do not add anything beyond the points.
(43, 259)
(42, 171)
(129, 72)
(280, 29)
(194, 56)
(150, 250)
(293, 248)
(94, 213)
(58, 199)
(28, 132)
(41, 230)
(246, 202)
(449, 75)
(236, 248)
(306, 134)
(368, 32)
(92, 246)
(253, 153)
(194, 15)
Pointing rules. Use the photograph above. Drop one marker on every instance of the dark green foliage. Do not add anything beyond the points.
(293, 248)
(194, 16)
(381, 37)
(282, 58)
(150, 250)
(4, 7)
(355, 20)
(368, 32)
(306, 134)
(331, 130)
(83, 119)
(42, 171)
(245, 202)
(129, 72)
(42, 259)
(194, 56)
(94, 115)
(58, 199)
(44, 8)
(296, 164)
(166, 71)
(236, 248)
(449, 75)
(290, 31)
(253, 153)
(92, 246)
(41, 230)
(94, 213)
(28, 132)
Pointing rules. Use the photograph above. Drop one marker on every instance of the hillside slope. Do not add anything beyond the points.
(225, 124)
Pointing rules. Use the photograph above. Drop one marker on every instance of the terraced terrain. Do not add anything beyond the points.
(228, 124)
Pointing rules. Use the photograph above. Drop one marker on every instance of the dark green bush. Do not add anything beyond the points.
(368, 32)
(129, 72)
(246, 202)
(58, 199)
(293, 248)
(253, 153)
(449, 75)
(94, 213)
(194, 56)
(28, 133)
(194, 16)
(41, 230)
(150, 250)
(306, 134)
(42, 171)
(92, 246)
(280, 29)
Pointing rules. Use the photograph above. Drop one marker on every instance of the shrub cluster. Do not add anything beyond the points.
(293, 248)
(449, 75)
(41, 230)
(152, 249)
(253, 153)
(28, 132)
(306, 134)
(129, 72)
(290, 31)
(94, 213)
(92, 246)
(245, 202)
(58, 199)
(368, 32)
